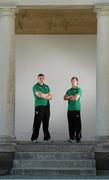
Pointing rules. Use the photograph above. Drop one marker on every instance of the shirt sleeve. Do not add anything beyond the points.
(67, 93)
(79, 91)
(48, 89)
(35, 89)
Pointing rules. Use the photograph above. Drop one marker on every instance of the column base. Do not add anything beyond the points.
(102, 139)
(102, 144)
(7, 139)
(7, 143)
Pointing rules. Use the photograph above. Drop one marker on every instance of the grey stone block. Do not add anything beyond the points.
(54, 155)
(102, 162)
(55, 148)
(6, 162)
(54, 164)
(46, 173)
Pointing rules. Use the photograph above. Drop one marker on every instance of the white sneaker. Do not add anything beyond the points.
(48, 140)
(35, 141)
(70, 141)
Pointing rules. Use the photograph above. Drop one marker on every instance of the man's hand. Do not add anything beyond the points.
(49, 96)
(72, 98)
(38, 93)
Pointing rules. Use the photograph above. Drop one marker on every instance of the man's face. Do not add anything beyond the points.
(41, 79)
(74, 82)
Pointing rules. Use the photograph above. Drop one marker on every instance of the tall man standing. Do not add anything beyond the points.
(42, 96)
(74, 118)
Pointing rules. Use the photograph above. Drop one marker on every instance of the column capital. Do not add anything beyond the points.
(8, 11)
(102, 9)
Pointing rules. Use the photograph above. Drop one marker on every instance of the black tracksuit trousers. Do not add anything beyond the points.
(42, 114)
(74, 125)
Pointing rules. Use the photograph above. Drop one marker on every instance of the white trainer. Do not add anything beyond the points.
(35, 141)
(70, 141)
(48, 140)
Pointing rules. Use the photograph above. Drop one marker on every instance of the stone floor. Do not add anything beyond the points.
(74, 178)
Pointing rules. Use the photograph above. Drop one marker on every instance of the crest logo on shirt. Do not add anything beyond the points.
(36, 112)
(46, 87)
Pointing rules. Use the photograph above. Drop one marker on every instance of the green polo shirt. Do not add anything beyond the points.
(74, 105)
(44, 89)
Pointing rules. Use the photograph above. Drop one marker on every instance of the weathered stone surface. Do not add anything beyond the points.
(57, 159)
(6, 162)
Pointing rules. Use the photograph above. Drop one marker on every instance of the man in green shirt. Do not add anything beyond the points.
(74, 118)
(42, 95)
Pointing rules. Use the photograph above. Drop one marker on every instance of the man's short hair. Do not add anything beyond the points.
(74, 78)
(40, 75)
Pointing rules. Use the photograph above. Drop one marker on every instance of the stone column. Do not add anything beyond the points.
(7, 74)
(102, 72)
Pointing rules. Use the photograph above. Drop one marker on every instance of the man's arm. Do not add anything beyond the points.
(49, 97)
(75, 97)
(72, 98)
(66, 97)
(44, 96)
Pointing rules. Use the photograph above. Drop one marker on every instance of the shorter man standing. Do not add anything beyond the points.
(74, 118)
(42, 96)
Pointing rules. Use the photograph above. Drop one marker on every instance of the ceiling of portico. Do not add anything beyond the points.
(56, 21)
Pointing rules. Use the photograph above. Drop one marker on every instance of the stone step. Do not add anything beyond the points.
(54, 155)
(57, 159)
(54, 173)
(66, 147)
(54, 163)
